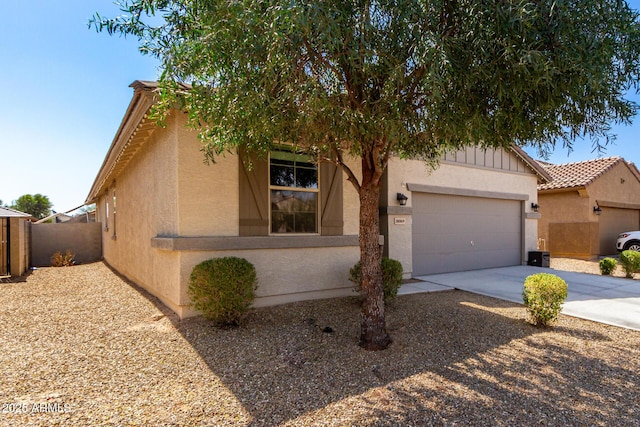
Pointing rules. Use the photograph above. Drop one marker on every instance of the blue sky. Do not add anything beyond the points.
(66, 89)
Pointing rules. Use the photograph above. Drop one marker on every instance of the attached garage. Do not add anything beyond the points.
(476, 209)
(614, 221)
(459, 232)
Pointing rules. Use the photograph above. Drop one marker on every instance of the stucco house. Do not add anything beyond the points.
(163, 210)
(586, 205)
(14, 242)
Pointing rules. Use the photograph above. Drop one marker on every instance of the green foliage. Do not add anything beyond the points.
(607, 266)
(543, 296)
(391, 277)
(630, 261)
(412, 77)
(36, 205)
(223, 289)
(60, 260)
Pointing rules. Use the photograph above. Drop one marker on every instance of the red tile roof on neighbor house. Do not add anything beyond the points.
(579, 174)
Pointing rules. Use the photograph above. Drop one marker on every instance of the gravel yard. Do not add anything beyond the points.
(81, 346)
(583, 266)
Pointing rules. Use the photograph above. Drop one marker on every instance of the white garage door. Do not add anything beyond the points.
(458, 233)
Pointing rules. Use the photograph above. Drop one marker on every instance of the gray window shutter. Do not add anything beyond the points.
(254, 198)
(331, 196)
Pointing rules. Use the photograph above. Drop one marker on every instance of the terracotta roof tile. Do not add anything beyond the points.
(579, 174)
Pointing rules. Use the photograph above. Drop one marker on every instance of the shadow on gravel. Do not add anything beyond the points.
(456, 358)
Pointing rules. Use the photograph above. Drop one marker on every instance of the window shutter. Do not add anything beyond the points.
(332, 199)
(254, 200)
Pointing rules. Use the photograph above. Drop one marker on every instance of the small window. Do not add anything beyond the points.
(293, 192)
(106, 214)
(114, 212)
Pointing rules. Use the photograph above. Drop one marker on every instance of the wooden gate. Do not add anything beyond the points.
(4, 246)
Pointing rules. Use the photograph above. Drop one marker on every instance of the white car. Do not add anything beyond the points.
(628, 241)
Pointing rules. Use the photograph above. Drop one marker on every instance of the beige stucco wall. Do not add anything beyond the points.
(616, 185)
(208, 207)
(208, 194)
(208, 197)
(146, 206)
(569, 226)
(453, 176)
(168, 190)
(286, 275)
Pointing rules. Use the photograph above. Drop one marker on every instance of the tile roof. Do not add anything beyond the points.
(579, 174)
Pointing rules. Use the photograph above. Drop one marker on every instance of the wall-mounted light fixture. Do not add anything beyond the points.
(597, 210)
(535, 207)
(402, 199)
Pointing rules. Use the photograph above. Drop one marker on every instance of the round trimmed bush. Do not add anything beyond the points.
(607, 266)
(391, 277)
(223, 289)
(630, 261)
(543, 296)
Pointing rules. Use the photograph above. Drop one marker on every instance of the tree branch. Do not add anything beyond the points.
(351, 177)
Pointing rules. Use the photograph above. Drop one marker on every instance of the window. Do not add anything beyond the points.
(293, 193)
(114, 211)
(106, 213)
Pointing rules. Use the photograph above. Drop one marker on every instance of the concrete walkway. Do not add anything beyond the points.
(610, 300)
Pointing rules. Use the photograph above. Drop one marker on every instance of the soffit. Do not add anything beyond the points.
(135, 129)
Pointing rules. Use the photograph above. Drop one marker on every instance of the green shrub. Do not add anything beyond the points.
(223, 289)
(630, 261)
(60, 260)
(391, 277)
(607, 266)
(543, 296)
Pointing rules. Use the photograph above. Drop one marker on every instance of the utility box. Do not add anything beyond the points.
(539, 258)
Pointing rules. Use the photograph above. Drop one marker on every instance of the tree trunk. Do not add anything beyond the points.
(373, 334)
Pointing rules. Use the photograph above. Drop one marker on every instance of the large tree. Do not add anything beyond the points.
(376, 78)
(36, 205)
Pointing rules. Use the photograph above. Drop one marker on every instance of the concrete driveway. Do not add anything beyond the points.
(610, 300)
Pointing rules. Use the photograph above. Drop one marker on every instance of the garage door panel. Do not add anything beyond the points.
(456, 233)
(613, 221)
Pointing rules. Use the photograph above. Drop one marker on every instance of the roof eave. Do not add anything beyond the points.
(543, 175)
(141, 102)
(6, 212)
(577, 188)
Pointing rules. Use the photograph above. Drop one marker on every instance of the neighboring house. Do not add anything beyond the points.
(14, 242)
(586, 205)
(84, 217)
(163, 210)
(60, 217)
